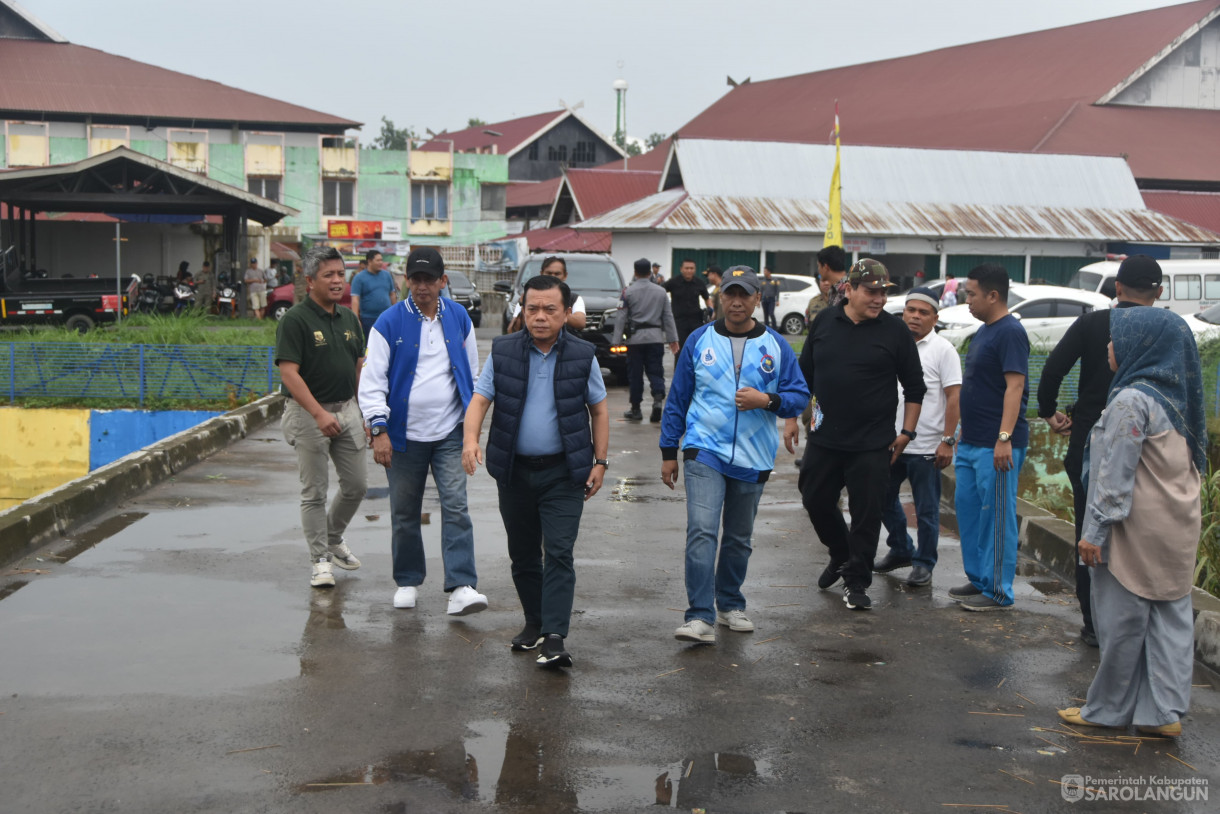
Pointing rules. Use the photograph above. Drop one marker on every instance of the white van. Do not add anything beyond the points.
(1190, 286)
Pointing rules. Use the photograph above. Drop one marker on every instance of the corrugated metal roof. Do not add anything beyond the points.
(904, 174)
(1026, 93)
(1199, 208)
(513, 134)
(566, 239)
(62, 78)
(530, 193)
(675, 210)
(600, 190)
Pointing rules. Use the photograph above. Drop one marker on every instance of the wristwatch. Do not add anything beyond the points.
(602, 461)
(948, 440)
(1005, 437)
(376, 430)
(908, 433)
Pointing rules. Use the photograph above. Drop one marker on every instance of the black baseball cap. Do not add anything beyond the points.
(1140, 271)
(743, 276)
(425, 261)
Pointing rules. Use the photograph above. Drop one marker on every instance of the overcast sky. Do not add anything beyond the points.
(436, 64)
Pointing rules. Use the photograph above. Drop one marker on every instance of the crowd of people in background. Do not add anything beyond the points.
(882, 400)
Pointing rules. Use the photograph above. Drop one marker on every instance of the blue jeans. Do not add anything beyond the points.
(921, 471)
(408, 477)
(986, 503)
(709, 496)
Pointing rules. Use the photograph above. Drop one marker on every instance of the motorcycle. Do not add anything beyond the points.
(184, 296)
(227, 303)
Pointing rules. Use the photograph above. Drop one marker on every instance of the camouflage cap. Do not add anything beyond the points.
(870, 274)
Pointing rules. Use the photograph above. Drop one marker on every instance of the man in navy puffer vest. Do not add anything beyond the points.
(547, 451)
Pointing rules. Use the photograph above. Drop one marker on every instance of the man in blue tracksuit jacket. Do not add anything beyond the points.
(732, 379)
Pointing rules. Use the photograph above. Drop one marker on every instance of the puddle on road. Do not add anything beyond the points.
(87, 539)
(643, 490)
(521, 765)
(130, 633)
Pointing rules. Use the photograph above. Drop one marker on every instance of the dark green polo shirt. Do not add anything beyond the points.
(326, 346)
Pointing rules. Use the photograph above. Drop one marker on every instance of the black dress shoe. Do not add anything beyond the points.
(1089, 637)
(830, 575)
(889, 562)
(919, 576)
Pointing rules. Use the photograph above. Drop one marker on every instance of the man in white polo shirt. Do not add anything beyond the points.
(930, 451)
(418, 378)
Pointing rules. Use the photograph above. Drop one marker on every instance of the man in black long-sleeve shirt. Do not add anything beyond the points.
(855, 355)
(689, 299)
(1138, 283)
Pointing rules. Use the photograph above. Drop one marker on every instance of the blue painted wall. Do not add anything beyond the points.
(115, 433)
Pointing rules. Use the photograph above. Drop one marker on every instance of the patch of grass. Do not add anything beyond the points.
(188, 328)
(1207, 560)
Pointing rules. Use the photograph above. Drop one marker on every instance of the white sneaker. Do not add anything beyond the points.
(322, 576)
(696, 630)
(735, 620)
(342, 557)
(466, 600)
(405, 597)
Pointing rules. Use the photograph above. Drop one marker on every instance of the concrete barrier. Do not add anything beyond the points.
(1052, 542)
(28, 525)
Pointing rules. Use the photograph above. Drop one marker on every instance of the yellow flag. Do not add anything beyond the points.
(834, 225)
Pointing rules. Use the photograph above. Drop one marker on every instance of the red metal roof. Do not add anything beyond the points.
(1028, 93)
(653, 160)
(600, 190)
(566, 239)
(532, 193)
(71, 80)
(1199, 208)
(514, 134)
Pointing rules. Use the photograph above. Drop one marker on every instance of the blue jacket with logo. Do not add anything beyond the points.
(701, 411)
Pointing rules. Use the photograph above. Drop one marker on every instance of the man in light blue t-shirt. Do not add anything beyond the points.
(373, 291)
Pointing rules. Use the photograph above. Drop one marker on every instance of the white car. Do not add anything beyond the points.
(795, 293)
(1046, 312)
(1205, 325)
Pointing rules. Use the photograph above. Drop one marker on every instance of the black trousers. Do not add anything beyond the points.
(1073, 465)
(824, 474)
(643, 359)
(686, 326)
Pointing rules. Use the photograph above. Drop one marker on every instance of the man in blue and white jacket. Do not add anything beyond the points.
(417, 381)
(732, 379)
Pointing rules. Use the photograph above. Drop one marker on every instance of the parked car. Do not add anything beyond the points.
(897, 302)
(1205, 325)
(1190, 286)
(76, 303)
(463, 292)
(596, 278)
(796, 290)
(1046, 312)
(279, 299)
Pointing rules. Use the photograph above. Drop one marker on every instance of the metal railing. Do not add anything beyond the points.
(136, 372)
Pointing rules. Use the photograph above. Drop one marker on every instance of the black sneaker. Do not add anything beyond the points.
(657, 405)
(982, 602)
(889, 562)
(919, 576)
(634, 414)
(830, 575)
(964, 591)
(1089, 636)
(552, 653)
(856, 598)
(529, 638)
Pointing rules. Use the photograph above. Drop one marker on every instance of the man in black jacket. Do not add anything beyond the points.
(1138, 283)
(688, 294)
(855, 354)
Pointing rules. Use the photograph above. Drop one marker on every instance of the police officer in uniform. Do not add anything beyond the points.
(645, 320)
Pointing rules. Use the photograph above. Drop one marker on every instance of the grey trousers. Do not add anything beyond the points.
(314, 453)
(1147, 656)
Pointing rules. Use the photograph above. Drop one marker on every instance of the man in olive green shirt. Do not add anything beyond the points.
(319, 348)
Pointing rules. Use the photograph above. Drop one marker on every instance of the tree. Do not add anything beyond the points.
(394, 138)
(632, 148)
(475, 123)
(655, 139)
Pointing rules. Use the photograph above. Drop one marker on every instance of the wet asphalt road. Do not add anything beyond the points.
(174, 658)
